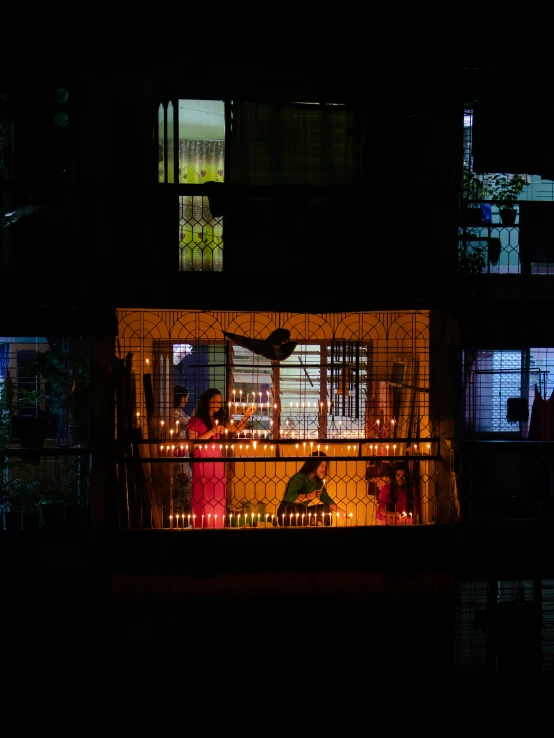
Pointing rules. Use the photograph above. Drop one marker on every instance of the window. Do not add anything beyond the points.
(274, 144)
(500, 388)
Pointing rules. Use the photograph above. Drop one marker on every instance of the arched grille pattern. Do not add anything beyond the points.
(355, 387)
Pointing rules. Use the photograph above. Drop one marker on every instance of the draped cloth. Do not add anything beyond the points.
(541, 426)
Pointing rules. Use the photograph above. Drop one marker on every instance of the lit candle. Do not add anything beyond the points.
(171, 521)
(309, 518)
(161, 450)
(394, 449)
(338, 517)
(188, 521)
(231, 520)
(283, 520)
(238, 521)
(303, 519)
(162, 428)
(209, 516)
(290, 521)
(411, 519)
(297, 514)
(171, 432)
(331, 518)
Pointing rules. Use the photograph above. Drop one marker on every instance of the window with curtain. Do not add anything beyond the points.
(499, 389)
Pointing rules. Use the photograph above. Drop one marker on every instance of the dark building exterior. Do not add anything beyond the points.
(343, 218)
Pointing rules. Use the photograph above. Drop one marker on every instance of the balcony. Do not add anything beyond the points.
(522, 248)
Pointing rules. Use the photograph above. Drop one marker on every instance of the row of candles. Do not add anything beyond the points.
(184, 522)
(286, 432)
(244, 450)
(251, 519)
(303, 420)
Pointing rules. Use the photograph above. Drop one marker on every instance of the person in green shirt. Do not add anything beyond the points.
(306, 497)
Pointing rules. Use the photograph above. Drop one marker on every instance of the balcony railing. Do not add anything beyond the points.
(500, 244)
(243, 483)
(44, 488)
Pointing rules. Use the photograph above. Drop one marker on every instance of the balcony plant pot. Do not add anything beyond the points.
(505, 190)
(508, 216)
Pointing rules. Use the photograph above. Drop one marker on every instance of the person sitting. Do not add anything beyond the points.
(306, 500)
(398, 502)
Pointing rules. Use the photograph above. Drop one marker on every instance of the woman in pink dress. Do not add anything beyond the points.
(209, 482)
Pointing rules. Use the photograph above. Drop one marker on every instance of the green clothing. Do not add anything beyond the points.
(301, 484)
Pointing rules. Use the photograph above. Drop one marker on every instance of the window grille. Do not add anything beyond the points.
(490, 379)
(499, 623)
(332, 395)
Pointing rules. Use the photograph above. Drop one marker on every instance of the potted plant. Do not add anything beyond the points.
(65, 367)
(471, 254)
(474, 189)
(505, 190)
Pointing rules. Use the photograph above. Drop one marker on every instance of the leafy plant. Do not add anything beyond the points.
(23, 495)
(474, 187)
(505, 190)
(65, 366)
(8, 462)
(472, 257)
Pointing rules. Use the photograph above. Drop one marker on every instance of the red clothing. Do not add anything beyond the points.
(541, 425)
(209, 482)
(405, 502)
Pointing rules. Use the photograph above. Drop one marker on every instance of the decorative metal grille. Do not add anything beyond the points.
(355, 387)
